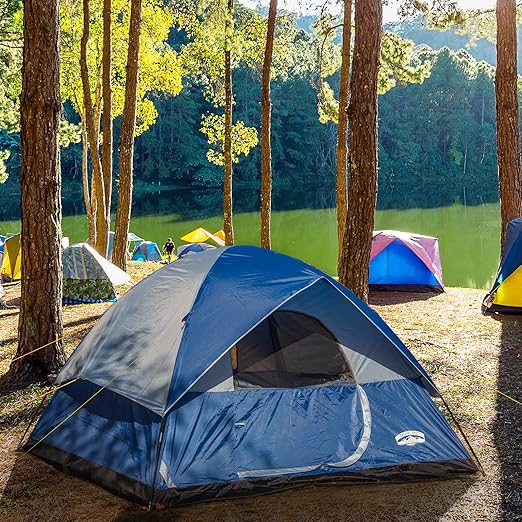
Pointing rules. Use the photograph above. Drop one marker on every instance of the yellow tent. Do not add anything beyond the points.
(220, 234)
(12, 261)
(200, 235)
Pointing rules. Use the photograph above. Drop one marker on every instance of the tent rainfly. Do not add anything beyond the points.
(147, 251)
(506, 294)
(11, 268)
(200, 235)
(405, 262)
(253, 372)
(193, 248)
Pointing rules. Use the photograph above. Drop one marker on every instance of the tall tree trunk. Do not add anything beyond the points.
(266, 114)
(362, 113)
(107, 110)
(128, 125)
(90, 208)
(342, 128)
(92, 130)
(508, 134)
(228, 224)
(40, 321)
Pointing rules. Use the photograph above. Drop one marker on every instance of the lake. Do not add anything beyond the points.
(468, 236)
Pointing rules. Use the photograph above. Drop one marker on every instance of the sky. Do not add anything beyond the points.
(389, 14)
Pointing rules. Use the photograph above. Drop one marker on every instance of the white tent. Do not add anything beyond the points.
(81, 261)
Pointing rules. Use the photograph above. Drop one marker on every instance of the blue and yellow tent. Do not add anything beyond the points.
(252, 372)
(11, 268)
(506, 294)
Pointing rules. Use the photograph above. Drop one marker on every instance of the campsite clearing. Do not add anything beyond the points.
(472, 358)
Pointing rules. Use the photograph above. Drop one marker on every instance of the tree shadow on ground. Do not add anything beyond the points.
(83, 320)
(508, 419)
(380, 297)
(36, 489)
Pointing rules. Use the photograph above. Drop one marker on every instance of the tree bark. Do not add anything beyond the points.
(342, 127)
(92, 130)
(90, 208)
(228, 224)
(128, 125)
(508, 134)
(107, 109)
(266, 114)
(362, 114)
(40, 319)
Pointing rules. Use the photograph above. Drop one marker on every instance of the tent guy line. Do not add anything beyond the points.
(38, 349)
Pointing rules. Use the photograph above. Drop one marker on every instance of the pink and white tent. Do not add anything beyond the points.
(405, 261)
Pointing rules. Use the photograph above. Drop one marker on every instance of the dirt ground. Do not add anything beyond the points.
(474, 359)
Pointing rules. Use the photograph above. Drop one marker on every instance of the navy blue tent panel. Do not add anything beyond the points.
(193, 248)
(254, 372)
(243, 435)
(110, 438)
(398, 265)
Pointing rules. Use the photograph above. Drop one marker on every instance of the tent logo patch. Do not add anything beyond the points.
(410, 438)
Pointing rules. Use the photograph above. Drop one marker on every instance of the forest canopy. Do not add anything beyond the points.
(436, 124)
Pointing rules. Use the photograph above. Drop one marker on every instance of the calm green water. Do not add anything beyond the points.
(468, 235)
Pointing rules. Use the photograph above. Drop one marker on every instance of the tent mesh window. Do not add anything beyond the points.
(288, 350)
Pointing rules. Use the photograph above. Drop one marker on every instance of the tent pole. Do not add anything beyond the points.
(156, 464)
(464, 436)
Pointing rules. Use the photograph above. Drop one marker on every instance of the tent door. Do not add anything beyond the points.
(308, 429)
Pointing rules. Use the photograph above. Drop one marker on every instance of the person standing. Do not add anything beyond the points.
(168, 249)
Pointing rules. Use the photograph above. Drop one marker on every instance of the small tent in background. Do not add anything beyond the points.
(200, 235)
(88, 277)
(11, 268)
(506, 294)
(220, 234)
(404, 261)
(146, 251)
(132, 241)
(253, 372)
(193, 248)
(2, 241)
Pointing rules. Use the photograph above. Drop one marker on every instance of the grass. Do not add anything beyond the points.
(469, 356)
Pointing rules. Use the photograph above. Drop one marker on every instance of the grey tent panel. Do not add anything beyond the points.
(371, 356)
(132, 349)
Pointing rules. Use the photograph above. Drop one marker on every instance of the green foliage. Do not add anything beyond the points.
(400, 63)
(203, 55)
(160, 67)
(4, 156)
(10, 63)
(439, 13)
(69, 133)
(211, 32)
(243, 138)
(437, 140)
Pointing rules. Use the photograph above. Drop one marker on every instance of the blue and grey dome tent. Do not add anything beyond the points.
(252, 372)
